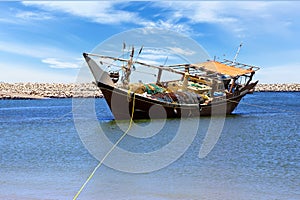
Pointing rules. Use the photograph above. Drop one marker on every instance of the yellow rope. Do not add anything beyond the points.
(106, 155)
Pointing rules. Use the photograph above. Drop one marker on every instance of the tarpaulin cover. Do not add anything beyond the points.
(221, 68)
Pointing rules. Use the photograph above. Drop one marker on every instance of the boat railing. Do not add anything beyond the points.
(239, 65)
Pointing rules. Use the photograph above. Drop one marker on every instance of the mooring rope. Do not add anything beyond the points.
(107, 154)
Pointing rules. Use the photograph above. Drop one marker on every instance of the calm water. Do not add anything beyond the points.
(256, 157)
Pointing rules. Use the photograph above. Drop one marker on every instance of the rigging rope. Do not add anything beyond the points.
(107, 154)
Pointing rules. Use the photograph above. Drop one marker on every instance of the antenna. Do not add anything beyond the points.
(165, 61)
(140, 51)
(237, 53)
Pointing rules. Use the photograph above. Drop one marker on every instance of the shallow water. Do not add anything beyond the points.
(256, 157)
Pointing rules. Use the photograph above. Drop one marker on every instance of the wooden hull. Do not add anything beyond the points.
(121, 103)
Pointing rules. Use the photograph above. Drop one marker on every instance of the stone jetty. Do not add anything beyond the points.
(90, 90)
(287, 87)
(48, 90)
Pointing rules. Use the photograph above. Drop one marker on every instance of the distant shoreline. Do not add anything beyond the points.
(90, 90)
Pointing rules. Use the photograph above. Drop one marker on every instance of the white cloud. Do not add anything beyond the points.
(25, 72)
(167, 55)
(160, 24)
(197, 12)
(152, 57)
(240, 18)
(32, 50)
(106, 12)
(150, 61)
(28, 15)
(180, 51)
(103, 12)
(54, 57)
(279, 74)
(7, 20)
(56, 63)
(155, 59)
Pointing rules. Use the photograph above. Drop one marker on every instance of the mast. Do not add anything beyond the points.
(127, 69)
(237, 53)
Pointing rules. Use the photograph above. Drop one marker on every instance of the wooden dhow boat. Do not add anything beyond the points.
(181, 90)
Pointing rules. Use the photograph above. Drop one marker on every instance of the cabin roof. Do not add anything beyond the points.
(229, 69)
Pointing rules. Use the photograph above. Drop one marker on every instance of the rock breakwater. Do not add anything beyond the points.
(87, 90)
(287, 87)
(48, 90)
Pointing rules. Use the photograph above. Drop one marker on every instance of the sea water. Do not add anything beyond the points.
(257, 155)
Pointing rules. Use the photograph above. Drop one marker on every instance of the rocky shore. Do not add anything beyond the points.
(48, 90)
(86, 90)
(288, 87)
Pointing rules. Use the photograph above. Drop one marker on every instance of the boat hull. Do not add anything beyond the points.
(121, 103)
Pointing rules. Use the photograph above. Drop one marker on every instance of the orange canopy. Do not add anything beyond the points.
(221, 68)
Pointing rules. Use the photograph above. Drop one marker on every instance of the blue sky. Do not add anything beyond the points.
(43, 41)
